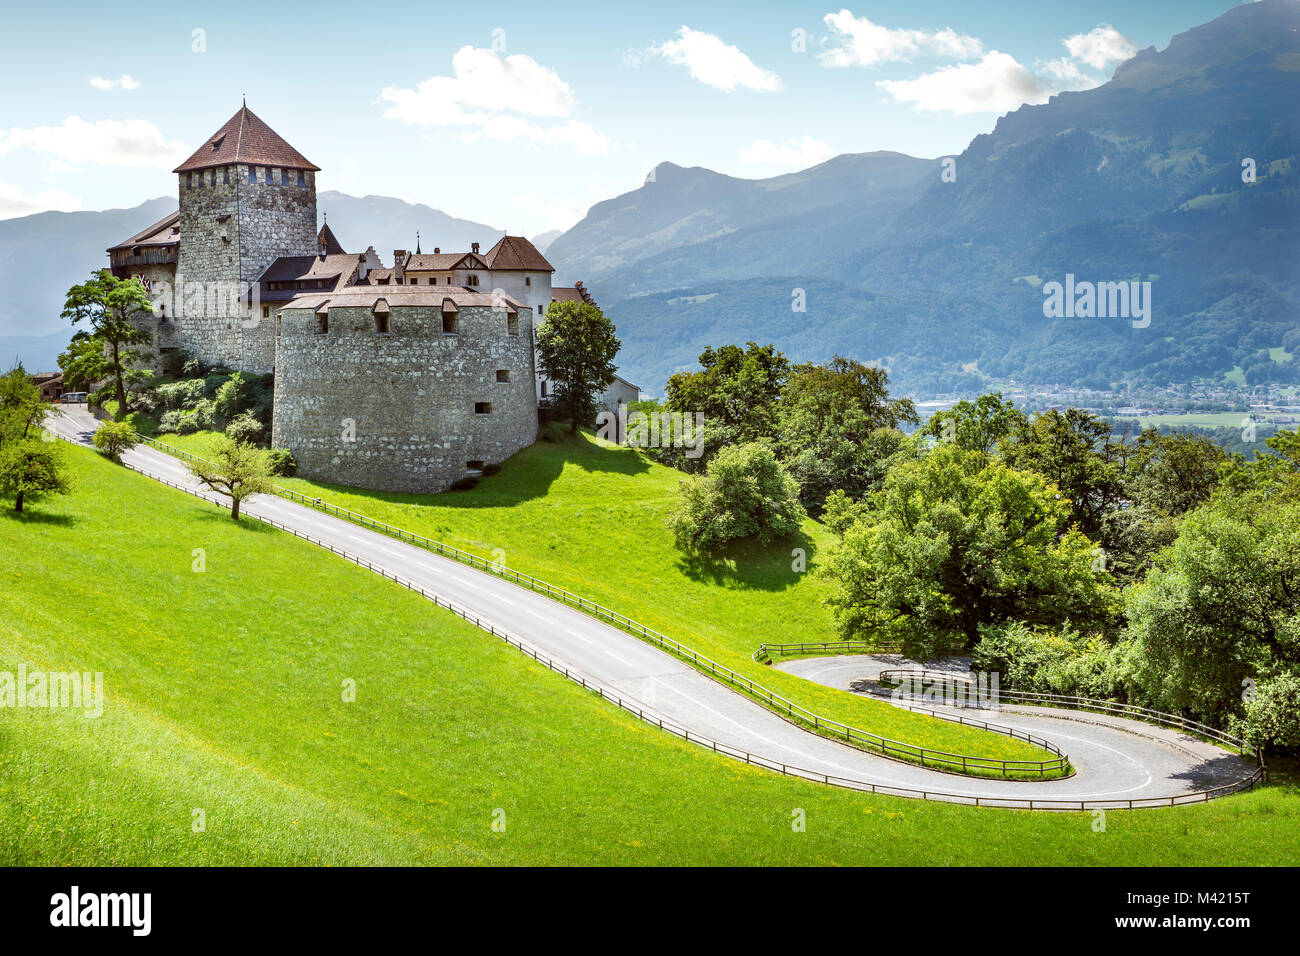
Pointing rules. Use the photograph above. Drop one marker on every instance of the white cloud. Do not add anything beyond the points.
(123, 82)
(714, 62)
(104, 143)
(1100, 47)
(791, 154)
(863, 43)
(15, 202)
(491, 95)
(996, 83)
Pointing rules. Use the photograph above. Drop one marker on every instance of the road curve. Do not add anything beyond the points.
(1114, 763)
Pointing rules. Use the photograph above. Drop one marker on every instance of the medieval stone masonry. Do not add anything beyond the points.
(407, 378)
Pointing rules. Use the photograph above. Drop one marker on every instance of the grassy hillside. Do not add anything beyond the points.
(223, 694)
(590, 517)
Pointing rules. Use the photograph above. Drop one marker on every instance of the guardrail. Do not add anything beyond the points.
(735, 753)
(966, 764)
(897, 676)
(765, 651)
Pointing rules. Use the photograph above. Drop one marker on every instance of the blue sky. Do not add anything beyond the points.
(522, 115)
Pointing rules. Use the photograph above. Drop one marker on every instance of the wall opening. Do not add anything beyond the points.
(503, 375)
(449, 323)
(322, 324)
(381, 323)
(482, 408)
(512, 325)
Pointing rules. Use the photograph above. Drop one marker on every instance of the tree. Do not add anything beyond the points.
(576, 346)
(1072, 450)
(977, 426)
(837, 429)
(113, 438)
(745, 494)
(736, 389)
(1221, 606)
(21, 407)
(956, 541)
(107, 304)
(30, 468)
(237, 470)
(84, 363)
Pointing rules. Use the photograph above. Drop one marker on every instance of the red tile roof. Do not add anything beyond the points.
(516, 254)
(246, 139)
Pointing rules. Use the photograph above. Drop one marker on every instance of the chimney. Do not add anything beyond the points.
(473, 247)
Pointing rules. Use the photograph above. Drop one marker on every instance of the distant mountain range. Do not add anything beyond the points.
(1141, 178)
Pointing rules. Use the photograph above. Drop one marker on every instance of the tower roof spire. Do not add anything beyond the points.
(245, 138)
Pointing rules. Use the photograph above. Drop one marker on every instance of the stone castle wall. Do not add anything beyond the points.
(396, 411)
(231, 230)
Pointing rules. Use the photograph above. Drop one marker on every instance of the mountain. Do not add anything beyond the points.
(1140, 178)
(543, 240)
(683, 225)
(43, 255)
(388, 224)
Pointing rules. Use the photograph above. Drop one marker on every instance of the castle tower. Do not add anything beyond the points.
(246, 198)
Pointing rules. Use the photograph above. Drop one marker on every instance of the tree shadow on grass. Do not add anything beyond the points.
(750, 566)
(29, 516)
(221, 516)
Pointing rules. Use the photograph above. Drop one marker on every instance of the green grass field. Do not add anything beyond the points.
(591, 517)
(224, 695)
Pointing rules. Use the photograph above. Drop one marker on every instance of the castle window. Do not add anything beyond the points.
(449, 323)
(528, 280)
(225, 175)
(482, 408)
(399, 281)
(266, 311)
(189, 180)
(381, 323)
(473, 466)
(252, 174)
(302, 178)
(539, 310)
(284, 177)
(512, 325)
(503, 375)
(322, 324)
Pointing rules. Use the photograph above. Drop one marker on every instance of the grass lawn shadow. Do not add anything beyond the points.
(27, 516)
(751, 566)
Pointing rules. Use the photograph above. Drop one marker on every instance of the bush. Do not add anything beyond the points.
(245, 428)
(232, 396)
(169, 423)
(1273, 714)
(553, 431)
(113, 438)
(281, 463)
(745, 494)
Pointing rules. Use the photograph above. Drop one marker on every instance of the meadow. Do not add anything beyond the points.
(226, 739)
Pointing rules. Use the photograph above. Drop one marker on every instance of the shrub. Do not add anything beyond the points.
(281, 463)
(746, 493)
(553, 431)
(113, 438)
(232, 396)
(244, 427)
(169, 422)
(1273, 714)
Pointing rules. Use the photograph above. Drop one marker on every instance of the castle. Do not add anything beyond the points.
(403, 378)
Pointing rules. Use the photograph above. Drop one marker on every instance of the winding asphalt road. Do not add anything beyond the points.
(1116, 760)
